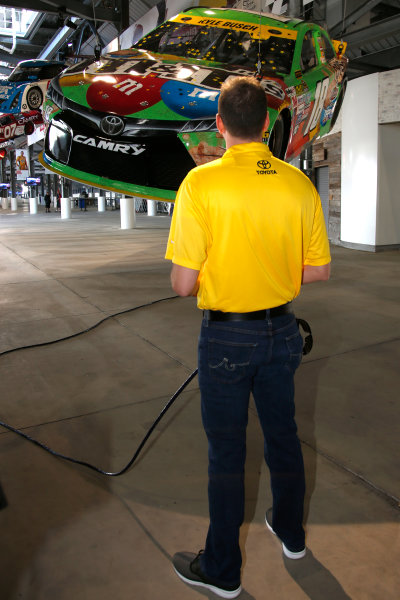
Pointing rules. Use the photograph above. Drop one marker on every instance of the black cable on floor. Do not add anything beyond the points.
(149, 432)
(136, 454)
(68, 337)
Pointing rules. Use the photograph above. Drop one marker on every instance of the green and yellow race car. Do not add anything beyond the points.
(136, 121)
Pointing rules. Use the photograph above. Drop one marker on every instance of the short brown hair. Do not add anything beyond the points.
(242, 106)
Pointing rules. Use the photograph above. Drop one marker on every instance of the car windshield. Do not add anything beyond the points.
(21, 73)
(5, 120)
(215, 44)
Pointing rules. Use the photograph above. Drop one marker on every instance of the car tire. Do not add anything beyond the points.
(34, 98)
(29, 128)
(277, 140)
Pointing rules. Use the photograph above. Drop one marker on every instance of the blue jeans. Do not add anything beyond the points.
(236, 358)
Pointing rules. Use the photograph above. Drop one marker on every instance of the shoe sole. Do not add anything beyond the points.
(212, 588)
(288, 553)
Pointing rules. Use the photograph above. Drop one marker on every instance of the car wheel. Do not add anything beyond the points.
(34, 98)
(277, 138)
(29, 128)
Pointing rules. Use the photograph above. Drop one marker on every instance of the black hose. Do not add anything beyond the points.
(134, 457)
(149, 432)
(306, 350)
(69, 337)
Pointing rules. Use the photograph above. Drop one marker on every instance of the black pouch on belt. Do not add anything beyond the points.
(308, 341)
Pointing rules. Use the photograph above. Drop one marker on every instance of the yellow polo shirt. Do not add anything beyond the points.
(248, 222)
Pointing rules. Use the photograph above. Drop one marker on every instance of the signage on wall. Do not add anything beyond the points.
(22, 162)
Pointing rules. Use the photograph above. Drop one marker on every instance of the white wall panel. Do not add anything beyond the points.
(389, 94)
(360, 161)
(388, 197)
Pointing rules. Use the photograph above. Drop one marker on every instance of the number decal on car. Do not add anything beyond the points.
(9, 130)
(320, 95)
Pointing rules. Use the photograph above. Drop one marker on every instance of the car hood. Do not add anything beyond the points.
(140, 84)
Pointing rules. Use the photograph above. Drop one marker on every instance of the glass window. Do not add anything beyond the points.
(49, 71)
(22, 73)
(325, 46)
(308, 55)
(5, 120)
(217, 44)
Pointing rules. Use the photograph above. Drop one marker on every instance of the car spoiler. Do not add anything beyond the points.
(340, 47)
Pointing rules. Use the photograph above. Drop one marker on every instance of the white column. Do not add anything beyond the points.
(33, 204)
(65, 208)
(4, 203)
(360, 161)
(14, 204)
(370, 207)
(72, 202)
(151, 208)
(127, 211)
(101, 204)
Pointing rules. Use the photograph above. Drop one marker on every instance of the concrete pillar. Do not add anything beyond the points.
(4, 202)
(72, 202)
(14, 204)
(33, 204)
(101, 204)
(13, 180)
(65, 208)
(151, 208)
(127, 211)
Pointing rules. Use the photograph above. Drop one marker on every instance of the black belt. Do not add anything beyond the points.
(256, 315)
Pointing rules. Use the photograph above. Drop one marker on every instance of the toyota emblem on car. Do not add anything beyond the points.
(112, 125)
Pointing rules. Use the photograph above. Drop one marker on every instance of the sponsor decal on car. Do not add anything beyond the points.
(133, 149)
(254, 29)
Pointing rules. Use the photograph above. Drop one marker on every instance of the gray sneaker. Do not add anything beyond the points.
(187, 567)
(293, 554)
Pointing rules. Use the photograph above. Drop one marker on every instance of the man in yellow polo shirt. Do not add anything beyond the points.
(247, 232)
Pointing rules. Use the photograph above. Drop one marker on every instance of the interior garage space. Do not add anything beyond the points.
(70, 531)
(95, 345)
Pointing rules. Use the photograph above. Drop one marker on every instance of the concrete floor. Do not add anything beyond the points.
(69, 533)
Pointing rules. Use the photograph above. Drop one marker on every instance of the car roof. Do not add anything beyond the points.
(250, 16)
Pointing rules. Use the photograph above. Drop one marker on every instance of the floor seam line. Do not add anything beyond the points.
(392, 500)
(388, 341)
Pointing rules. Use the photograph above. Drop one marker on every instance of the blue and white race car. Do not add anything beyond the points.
(25, 88)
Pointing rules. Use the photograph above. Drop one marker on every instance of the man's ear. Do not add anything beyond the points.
(220, 124)
(266, 123)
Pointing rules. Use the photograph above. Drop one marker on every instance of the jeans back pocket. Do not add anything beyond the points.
(227, 361)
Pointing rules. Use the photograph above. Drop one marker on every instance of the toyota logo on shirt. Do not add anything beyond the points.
(112, 125)
(264, 168)
(264, 165)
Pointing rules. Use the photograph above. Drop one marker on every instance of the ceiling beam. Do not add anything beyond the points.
(383, 60)
(375, 31)
(68, 7)
(22, 44)
(13, 59)
(352, 17)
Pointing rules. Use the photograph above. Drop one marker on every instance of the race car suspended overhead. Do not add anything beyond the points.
(137, 120)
